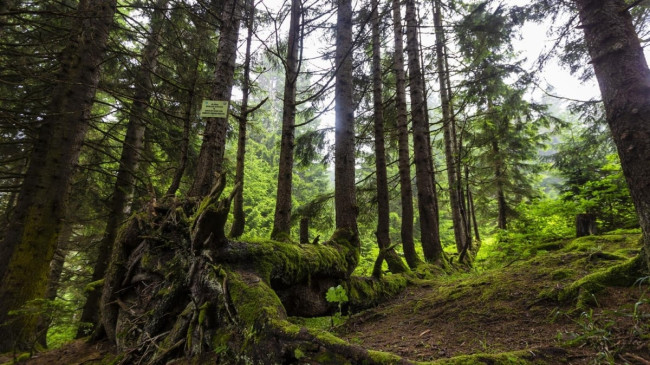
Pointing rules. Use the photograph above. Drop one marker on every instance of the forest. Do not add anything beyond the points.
(297, 182)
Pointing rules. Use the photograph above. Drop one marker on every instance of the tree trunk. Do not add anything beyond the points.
(395, 264)
(345, 198)
(449, 133)
(406, 191)
(304, 230)
(498, 179)
(214, 136)
(239, 218)
(585, 225)
(187, 116)
(282, 219)
(624, 79)
(427, 198)
(129, 161)
(31, 237)
(53, 280)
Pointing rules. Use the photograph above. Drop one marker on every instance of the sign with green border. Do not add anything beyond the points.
(214, 109)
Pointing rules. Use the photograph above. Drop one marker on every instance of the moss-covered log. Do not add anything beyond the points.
(177, 288)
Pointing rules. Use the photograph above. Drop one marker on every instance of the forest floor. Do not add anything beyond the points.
(507, 314)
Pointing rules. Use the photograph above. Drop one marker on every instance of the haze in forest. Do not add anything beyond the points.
(394, 182)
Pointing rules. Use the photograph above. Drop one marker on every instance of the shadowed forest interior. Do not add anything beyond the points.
(305, 182)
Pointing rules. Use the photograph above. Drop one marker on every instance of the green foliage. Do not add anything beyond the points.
(339, 296)
(336, 295)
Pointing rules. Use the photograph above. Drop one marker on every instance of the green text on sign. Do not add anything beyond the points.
(214, 109)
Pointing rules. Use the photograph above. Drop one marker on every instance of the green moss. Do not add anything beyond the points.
(254, 300)
(507, 358)
(203, 311)
(384, 358)
(624, 274)
(364, 292)
(92, 286)
(298, 354)
(562, 274)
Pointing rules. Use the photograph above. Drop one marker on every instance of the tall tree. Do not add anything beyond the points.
(624, 79)
(395, 263)
(130, 158)
(239, 218)
(452, 159)
(214, 136)
(345, 199)
(33, 232)
(282, 218)
(404, 161)
(424, 175)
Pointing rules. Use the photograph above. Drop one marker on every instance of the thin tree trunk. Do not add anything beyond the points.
(304, 230)
(498, 178)
(345, 199)
(395, 264)
(406, 190)
(282, 218)
(624, 79)
(32, 235)
(129, 161)
(53, 280)
(448, 122)
(239, 218)
(427, 198)
(187, 118)
(214, 136)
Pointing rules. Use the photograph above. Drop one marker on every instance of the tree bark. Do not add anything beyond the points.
(624, 80)
(31, 237)
(282, 218)
(585, 225)
(239, 218)
(214, 136)
(429, 225)
(404, 161)
(129, 160)
(502, 207)
(449, 133)
(53, 280)
(304, 230)
(345, 199)
(395, 264)
(187, 116)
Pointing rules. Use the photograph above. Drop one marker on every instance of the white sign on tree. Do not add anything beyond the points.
(214, 109)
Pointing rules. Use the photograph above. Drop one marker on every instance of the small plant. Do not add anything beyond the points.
(594, 334)
(337, 295)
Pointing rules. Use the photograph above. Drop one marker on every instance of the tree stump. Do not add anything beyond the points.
(585, 225)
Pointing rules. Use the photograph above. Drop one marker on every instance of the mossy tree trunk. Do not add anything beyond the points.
(129, 159)
(624, 79)
(449, 134)
(427, 196)
(393, 260)
(282, 217)
(31, 237)
(345, 197)
(404, 161)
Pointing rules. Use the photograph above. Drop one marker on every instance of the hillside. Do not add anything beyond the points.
(501, 313)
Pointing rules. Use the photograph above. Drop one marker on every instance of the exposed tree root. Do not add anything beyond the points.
(178, 289)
